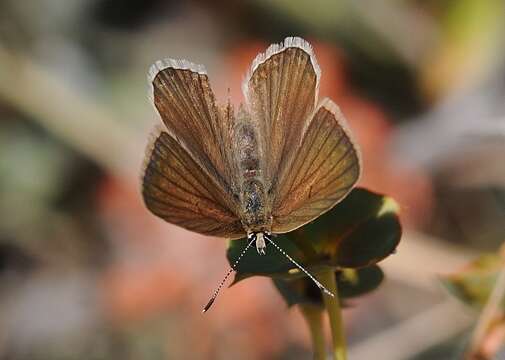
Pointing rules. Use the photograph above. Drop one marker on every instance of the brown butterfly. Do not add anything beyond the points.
(279, 162)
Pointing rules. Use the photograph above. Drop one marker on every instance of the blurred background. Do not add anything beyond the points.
(86, 272)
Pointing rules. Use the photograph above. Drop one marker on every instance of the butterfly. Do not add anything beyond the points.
(278, 162)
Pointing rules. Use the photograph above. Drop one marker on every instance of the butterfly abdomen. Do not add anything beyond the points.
(252, 188)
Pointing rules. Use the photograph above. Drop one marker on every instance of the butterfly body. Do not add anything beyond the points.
(281, 161)
(254, 209)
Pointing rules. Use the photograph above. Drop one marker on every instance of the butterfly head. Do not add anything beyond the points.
(259, 237)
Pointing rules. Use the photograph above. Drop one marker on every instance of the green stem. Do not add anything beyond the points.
(332, 304)
(488, 315)
(313, 315)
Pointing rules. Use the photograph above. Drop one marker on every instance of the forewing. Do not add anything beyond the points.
(176, 189)
(182, 95)
(326, 167)
(280, 92)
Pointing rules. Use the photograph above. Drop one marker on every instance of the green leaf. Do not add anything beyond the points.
(353, 283)
(358, 232)
(473, 284)
(350, 282)
(271, 264)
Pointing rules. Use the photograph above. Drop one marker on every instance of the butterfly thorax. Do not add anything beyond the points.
(254, 212)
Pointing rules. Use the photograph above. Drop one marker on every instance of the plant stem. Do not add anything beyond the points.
(313, 316)
(328, 279)
(488, 314)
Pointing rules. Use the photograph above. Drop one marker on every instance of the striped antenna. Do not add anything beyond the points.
(232, 269)
(319, 285)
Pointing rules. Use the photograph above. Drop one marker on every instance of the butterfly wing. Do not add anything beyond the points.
(189, 173)
(280, 92)
(326, 167)
(176, 189)
(310, 162)
(182, 94)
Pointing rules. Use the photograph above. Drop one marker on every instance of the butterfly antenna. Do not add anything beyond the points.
(319, 285)
(232, 269)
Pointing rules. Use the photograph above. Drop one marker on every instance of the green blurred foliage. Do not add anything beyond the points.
(474, 284)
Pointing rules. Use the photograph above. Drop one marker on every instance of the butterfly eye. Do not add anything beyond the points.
(251, 236)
